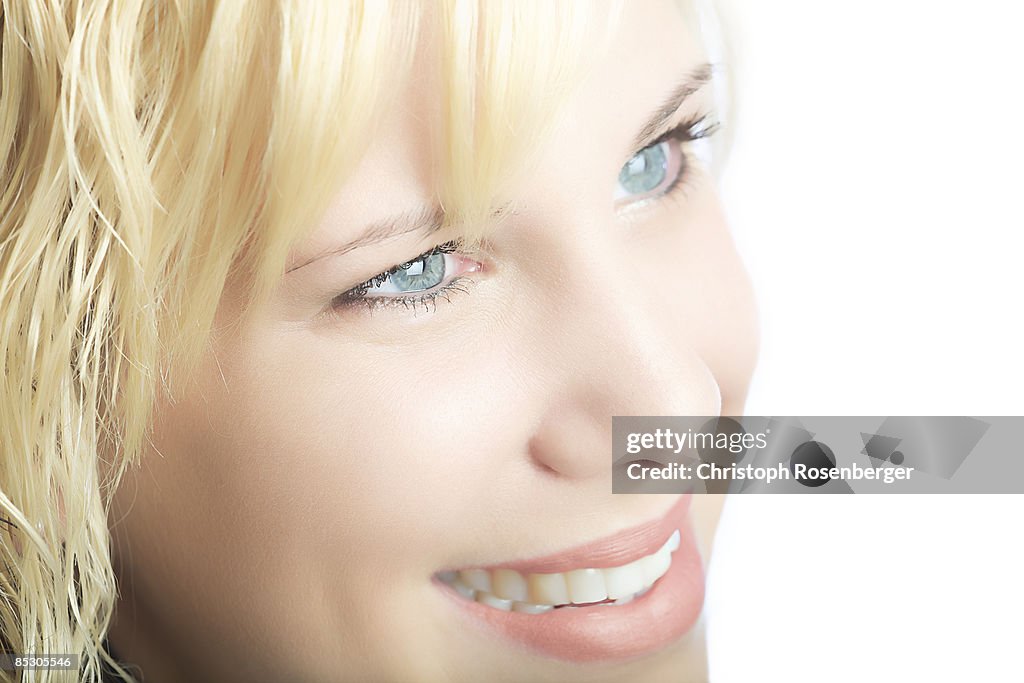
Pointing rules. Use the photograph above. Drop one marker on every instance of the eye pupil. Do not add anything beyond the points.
(421, 274)
(645, 171)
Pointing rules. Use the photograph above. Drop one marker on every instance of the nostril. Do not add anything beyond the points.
(571, 443)
(542, 466)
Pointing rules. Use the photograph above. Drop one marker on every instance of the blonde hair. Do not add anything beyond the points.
(149, 152)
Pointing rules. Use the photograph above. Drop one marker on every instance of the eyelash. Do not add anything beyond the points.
(688, 131)
(696, 128)
(428, 300)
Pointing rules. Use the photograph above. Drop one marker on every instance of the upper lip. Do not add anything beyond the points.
(615, 550)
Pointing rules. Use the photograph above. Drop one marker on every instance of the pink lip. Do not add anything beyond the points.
(601, 633)
(612, 551)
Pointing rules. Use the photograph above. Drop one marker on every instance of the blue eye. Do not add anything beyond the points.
(646, 171)
(424, 273)
(659, 168)
(653, 171)
(419, 282)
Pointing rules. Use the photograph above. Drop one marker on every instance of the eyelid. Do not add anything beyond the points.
(684, 131)
(458, 278)
(690, 130)
(382, 277)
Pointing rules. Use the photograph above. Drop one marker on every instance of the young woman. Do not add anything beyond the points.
(313, 319)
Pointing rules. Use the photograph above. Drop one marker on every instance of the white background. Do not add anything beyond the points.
(876, 190)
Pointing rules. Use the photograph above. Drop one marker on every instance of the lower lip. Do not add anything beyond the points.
(607, 633)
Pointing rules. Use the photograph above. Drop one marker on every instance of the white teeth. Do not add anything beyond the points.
(509, 584)
(548, 589)
(462, 589)
(492, 601)
(508, 590)
(625, 580)
(477, 579)
(527, 608)
(504, 605)
(586, 585)
(654, 566)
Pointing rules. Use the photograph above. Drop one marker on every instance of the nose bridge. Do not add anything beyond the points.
(611, 352)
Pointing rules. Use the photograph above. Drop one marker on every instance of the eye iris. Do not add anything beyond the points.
(421, 274)
(645, 171)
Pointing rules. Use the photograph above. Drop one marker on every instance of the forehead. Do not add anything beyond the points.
(629, 60)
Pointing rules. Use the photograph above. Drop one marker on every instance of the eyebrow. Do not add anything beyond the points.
(425, 220)
(662, 116)
(429, 220)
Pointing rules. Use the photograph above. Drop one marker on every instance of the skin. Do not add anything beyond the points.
(296, 503)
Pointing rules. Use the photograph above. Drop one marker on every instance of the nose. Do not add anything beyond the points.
(611, 352)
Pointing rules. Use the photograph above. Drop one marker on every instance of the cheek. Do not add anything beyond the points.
(314, 480)
(360, 444)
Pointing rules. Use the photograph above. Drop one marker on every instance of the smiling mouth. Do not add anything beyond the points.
(533, 593)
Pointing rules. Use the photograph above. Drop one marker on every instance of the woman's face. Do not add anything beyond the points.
(301, 507)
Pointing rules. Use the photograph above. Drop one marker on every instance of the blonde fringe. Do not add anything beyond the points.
(150, 151)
